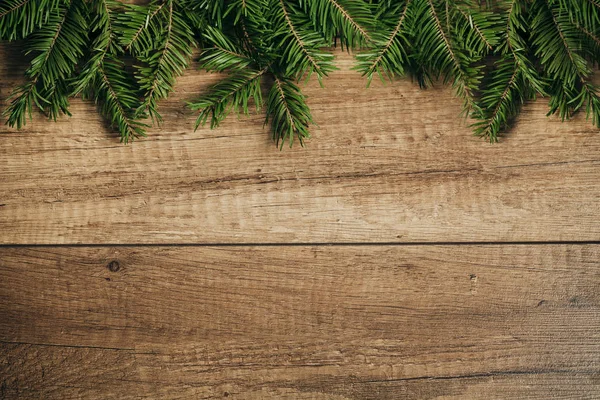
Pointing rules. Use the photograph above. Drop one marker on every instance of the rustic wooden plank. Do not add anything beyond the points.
(387, 164)
(65, 373)
(330, 322)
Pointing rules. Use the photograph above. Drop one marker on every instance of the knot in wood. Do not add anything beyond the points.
(114, 266)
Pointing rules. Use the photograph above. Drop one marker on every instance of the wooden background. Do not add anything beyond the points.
(396, 257)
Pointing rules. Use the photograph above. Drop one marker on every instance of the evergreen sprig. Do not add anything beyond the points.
(513, 79)
(161, 40)
(432, 39)
(80, 47)
(497, 55)
(19, 18)
(278, 43)
(346, 20)
(104, 77)
(56, 47)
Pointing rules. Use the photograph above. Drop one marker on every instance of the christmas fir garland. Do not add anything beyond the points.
(126, 57)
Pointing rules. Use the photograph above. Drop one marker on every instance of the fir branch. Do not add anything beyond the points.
(442, 34)
(512, 81)
(254, 20)
(544, 46)
(104, 78)
(475, 26)
(303, 47)
(223, 54)
(595, 3)
(301, 54)
(579, 67)
(557, 38)
(240, 58)
(436, 48)
(585, 18)
(390, 55)
(13, 7)
(103, 26)
(591, 99)
(118, 101)
(348, 20)
(589, 34)
(21, 102)
(36, 73)
(502, 99)
(516, 45)
(509, 29)
(351, 20)
(232, 93)
(19, 18)
(447, 15)
(130, 42)
(163, 48)
(288, 112)
(152, 85)
(501, 102)
(59, 44)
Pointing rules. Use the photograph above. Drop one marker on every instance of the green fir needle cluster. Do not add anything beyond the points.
(495, 54)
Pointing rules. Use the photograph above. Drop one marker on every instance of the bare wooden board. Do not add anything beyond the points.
(387, 164)
(301, 322)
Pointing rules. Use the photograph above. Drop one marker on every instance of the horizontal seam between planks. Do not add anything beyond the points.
(307, 244)
(488, 375)
(69, 346)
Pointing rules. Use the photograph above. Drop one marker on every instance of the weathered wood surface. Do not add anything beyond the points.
(391, 164)
(387, 164)
(301, 322)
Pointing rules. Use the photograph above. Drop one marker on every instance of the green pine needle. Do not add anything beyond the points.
(232, 93)
(497, 55)
(391, 49)
(160, 38)
(57, 47)
(19, 18)
(288, 112)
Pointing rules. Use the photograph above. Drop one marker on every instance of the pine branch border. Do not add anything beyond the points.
(496, 54)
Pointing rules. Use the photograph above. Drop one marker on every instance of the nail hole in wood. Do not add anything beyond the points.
(114, 266)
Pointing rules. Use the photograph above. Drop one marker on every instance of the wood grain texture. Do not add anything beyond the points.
(301, 322)
(387, 164)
